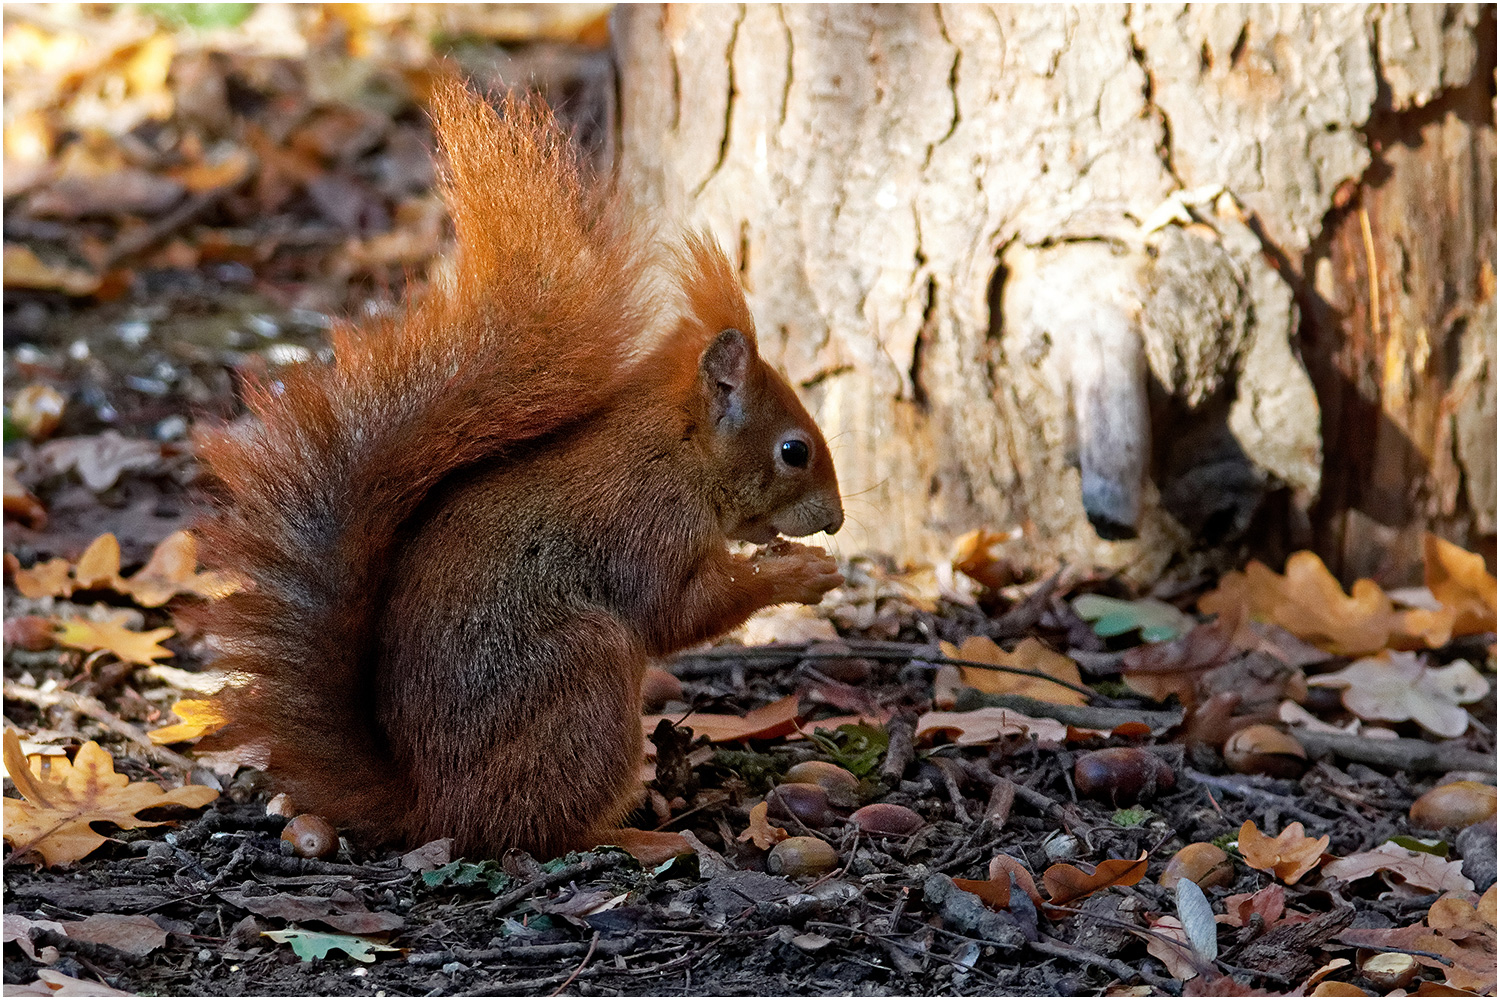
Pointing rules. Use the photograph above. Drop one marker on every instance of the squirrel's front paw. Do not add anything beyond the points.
(798, 573)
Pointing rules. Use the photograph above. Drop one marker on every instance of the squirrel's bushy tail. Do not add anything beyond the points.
(535, 327)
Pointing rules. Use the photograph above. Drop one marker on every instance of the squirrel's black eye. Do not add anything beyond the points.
(795, 453)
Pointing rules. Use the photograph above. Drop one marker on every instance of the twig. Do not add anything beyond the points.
(899, 750)
(1119, 969)
(1244, 790)
(96, 710)
(1401, 754)
(1083, 716)
(586, 956)
(890, 651)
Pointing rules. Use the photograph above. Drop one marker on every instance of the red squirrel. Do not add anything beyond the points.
(464, 537)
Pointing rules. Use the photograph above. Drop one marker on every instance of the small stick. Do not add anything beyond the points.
(586, 956)
(96, 710)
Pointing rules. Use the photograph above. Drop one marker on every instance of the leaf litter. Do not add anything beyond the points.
(983, 759)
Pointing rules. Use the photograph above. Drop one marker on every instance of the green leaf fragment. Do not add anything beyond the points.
(1157, 621)
(317, 944)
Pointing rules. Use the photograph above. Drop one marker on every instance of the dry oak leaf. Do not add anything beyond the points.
(46, 579)
(1457, 578)
(760, 832)
(1065, 883)
(1029, 655)
(985, 725)
(1397, 686)
(1426, 872)
(1462, 911)
(767, 722)
(1289, 855)
(62, 798)
(199, 718)
(172, 570)
(112, 635)
(1309, 603)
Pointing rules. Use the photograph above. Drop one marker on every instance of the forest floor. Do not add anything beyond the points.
(973, 779)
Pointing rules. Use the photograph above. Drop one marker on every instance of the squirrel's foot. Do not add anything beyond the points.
(798, 573)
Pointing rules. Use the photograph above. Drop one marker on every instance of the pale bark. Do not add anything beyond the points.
(1025, 261)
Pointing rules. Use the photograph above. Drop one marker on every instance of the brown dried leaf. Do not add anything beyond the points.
(1470, 957)
(650, 847)
(135, 935)
(99, 566)
(1426, 872)
(1459, 580)
(24, 269)
(1289, 855)
(1309, 603)
(1065, 883)
(767, 722)
(1002, 865)
(993, 892)
(62, 799)
(1170, 945)
(46, 579)
(19, 503)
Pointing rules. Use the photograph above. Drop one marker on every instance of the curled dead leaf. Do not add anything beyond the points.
(1289, 855)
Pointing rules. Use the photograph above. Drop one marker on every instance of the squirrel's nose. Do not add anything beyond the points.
(836, 522)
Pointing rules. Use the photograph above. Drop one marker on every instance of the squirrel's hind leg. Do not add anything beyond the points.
(564, 759)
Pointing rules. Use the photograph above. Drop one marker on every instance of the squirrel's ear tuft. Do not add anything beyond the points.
(724, 370)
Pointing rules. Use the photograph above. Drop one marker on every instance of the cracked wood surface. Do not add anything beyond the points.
(887, 177)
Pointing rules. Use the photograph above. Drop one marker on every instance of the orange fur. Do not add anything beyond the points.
(464, 536)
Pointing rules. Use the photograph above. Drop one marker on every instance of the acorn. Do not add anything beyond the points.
(799, 800)
(841, 785)
(311, 836)
(886, 819)
(1458, 803)
(798, 857)
(1122, 776)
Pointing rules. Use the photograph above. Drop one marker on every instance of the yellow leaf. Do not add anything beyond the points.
(199, 718)
(61, 799)
(1029, 655)
(172, 571)
(1309, 603)
(112, 635)
(1459, 581)
(99, 566)
(48, 579)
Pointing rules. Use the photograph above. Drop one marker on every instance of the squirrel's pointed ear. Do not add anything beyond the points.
(724, 369)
